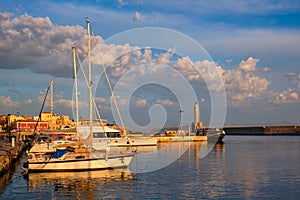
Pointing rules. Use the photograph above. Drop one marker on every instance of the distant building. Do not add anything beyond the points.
(8, 122)
(2, 122)
(56, 122)
(65, 122)
(30, 125)
(52, 120)
(12, 118)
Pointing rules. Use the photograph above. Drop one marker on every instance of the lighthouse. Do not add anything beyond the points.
(196, 116)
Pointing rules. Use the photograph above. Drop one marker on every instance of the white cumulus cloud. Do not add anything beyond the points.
(285, 97)
(248, 65)
(37, 44)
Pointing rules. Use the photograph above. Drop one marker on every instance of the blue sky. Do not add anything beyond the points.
(255, 44)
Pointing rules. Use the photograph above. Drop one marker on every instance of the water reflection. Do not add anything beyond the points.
(82, 185)
(220, 150)
(165, 155)
(4, 178)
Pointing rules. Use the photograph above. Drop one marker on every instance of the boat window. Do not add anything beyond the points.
(113, 134)
(99, 135)
(79, 157)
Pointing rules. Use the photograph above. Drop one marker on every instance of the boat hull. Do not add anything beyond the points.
(80, 162)
(103, 143)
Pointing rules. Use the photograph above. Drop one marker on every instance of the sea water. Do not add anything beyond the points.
(243, 167)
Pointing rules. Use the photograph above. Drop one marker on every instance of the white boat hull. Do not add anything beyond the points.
(104, 143)
(80, 162)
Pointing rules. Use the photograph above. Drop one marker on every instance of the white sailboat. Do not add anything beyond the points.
(106, 136)
(78, 159)
(111, 136)
(81, 157)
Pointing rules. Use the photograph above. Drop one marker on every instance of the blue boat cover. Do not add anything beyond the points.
(59, 153)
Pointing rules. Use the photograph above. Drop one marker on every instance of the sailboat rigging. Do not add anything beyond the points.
(82, 157)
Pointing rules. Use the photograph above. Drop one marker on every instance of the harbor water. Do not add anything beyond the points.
(243, 167)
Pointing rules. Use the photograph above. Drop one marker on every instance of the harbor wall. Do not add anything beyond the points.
(9, 154)
(263, 130)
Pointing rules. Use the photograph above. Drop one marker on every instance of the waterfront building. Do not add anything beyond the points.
(30, 125)
(56, 122)
(6, 121)
(65, 122)
(2, 122)
(51, 118)
(9, 122)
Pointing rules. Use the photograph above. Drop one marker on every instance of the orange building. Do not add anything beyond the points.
(29, 125)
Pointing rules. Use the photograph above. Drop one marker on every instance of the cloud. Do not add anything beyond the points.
(165, 102)
(140, 102)
(8, 102)
(291, 74)
(248, 65)
(241, 86)
(266, 69)
(122, 3)
(285, 97)
(67, 103)
(137, 16)
(41, 46)
(38, 44)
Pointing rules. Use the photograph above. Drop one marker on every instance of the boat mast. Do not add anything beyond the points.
(40, 114)
(76, 89)
(90, 78)
(51, 103)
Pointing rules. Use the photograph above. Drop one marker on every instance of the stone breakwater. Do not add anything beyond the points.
(263, 130)
(9, 154)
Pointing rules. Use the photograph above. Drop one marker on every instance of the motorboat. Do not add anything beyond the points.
(106, 136)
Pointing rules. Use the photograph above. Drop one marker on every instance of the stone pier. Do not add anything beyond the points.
(8, 154)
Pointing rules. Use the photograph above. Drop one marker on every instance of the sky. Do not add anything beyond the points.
(179, 52)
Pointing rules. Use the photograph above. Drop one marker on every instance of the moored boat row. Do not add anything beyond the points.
(93, 146)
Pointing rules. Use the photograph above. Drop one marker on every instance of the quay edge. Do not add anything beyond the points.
(180, 138)
(8, 155)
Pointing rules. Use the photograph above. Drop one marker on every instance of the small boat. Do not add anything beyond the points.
(215, 133)
(106, 136)
(65, 155)
(48, 144)
(77, 159)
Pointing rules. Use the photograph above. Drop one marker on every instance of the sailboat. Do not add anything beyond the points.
(81, 157)
(104, 135)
